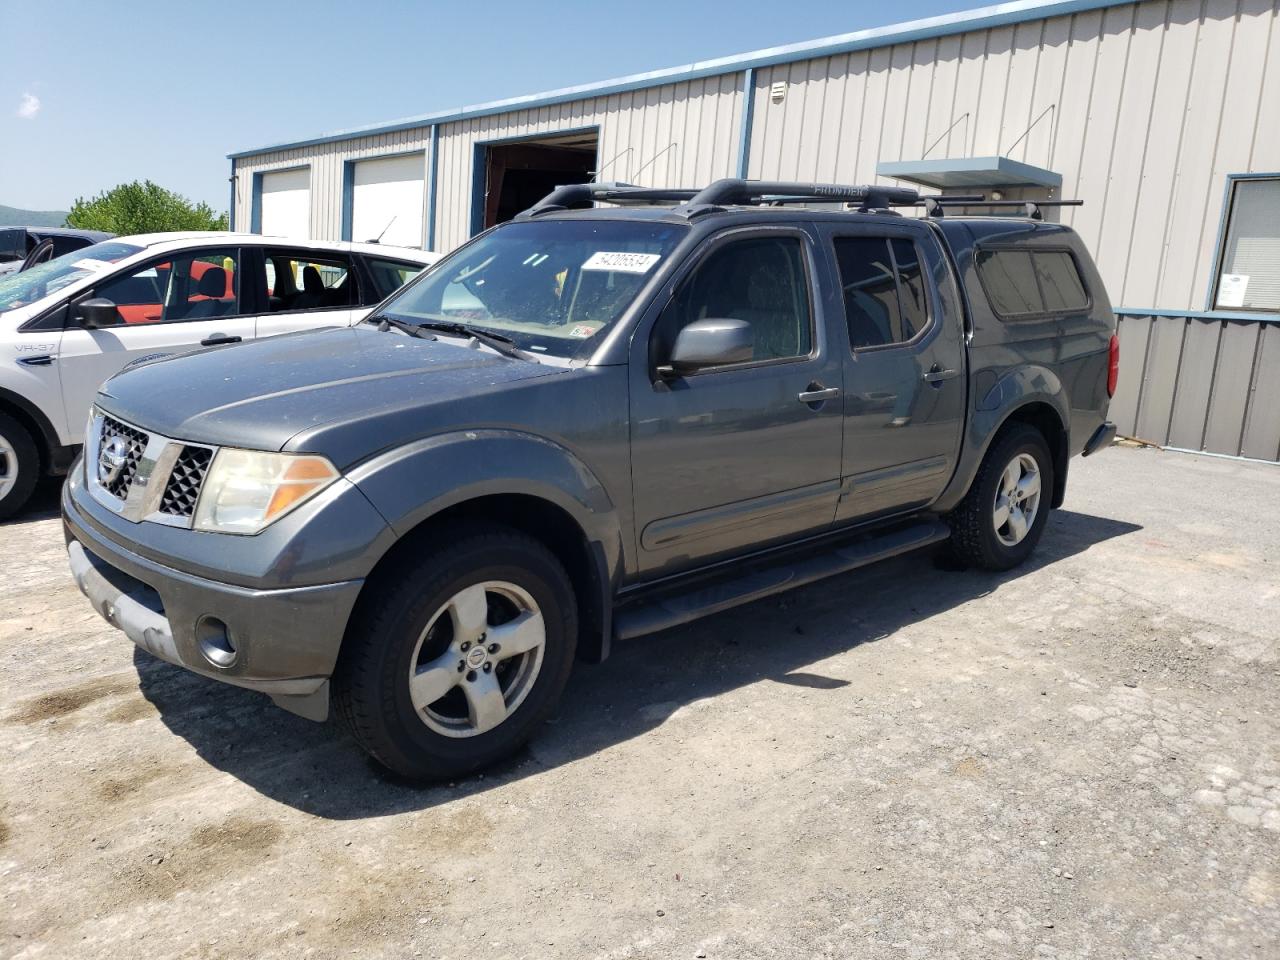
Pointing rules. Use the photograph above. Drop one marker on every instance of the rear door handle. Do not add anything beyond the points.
(937, 374)
(817, 393)
(214, 339)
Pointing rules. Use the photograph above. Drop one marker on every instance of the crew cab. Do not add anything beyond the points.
(625, 410)
(69, 323)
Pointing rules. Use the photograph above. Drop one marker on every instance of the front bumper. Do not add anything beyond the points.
(283, 642)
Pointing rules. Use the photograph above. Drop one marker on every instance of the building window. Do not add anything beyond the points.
(1249, 270)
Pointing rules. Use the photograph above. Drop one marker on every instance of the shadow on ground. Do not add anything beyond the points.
(318, 769)
(43, 505)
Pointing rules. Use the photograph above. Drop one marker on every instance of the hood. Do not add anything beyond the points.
(262, 393)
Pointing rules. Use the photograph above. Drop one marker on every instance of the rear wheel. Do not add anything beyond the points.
(455, 659)
(19, 466)
(1002, 517)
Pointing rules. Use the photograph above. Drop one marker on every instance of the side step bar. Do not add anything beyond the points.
(676, 609)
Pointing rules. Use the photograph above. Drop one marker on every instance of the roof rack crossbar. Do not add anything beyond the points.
(934, 205)
(732, 190)
(571, 194)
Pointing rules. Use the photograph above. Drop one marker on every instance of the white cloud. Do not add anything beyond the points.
(28, 106)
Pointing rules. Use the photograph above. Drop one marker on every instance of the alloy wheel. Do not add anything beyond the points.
(1017, 500)
(477, 659)
(8, 467)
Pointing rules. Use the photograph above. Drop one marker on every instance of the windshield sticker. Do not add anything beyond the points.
(621, 262)
(88, 263)
(584, 331)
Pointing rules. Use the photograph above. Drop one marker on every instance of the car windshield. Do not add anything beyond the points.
(552, 287)
(20, 289)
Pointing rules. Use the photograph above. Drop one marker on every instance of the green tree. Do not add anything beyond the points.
(143, 208)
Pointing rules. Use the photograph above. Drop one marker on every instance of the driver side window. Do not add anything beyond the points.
(198, 286)
(760, 280)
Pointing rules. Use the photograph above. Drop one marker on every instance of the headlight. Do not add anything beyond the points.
(245, 489)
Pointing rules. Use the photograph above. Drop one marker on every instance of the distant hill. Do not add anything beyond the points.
(14, 217)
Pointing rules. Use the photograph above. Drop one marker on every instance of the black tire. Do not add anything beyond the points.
(23, 465)
(974, 540)
(371, 683)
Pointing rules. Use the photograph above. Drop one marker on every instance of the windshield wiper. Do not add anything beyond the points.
(494, 341)
(386, 322)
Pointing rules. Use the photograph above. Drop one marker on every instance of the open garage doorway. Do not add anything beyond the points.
(513, 176)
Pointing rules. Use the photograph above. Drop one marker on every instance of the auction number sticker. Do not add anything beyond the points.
(621, 262)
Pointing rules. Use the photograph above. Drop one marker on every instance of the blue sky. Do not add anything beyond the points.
(95, 94)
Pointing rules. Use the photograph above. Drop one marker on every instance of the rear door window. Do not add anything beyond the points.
(882, 280)
(299, 281)
(1022, 283)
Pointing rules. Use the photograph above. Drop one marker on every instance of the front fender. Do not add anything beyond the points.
(415, 482)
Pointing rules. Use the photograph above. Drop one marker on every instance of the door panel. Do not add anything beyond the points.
(165, 307)
(905, 377)
(729, 459)
(88, 357)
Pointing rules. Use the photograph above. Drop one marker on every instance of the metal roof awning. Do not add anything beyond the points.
(967, 172)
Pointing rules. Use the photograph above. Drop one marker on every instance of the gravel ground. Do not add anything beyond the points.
(1077, 759)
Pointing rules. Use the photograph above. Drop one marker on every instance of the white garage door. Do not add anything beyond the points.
(386, 200)
(286, 204)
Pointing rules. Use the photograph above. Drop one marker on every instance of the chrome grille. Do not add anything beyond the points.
(136, 442)
(183, 488)
(142, 475)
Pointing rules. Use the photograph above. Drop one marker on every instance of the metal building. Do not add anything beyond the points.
(1162, 115)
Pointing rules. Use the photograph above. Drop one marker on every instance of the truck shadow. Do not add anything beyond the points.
(316, 768)
(43, 505)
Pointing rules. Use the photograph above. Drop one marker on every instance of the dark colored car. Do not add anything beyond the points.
(23, 247)
(583, 425)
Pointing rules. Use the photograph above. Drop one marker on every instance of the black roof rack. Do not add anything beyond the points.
(746, 192)
(935, 206)
(580, 194)
(737, 192)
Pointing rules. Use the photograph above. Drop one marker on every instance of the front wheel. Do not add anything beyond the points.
(19, 466)
(454, 660)
(1002, 517)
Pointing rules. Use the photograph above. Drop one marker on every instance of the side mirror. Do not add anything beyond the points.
(710, 343)
(96, 312)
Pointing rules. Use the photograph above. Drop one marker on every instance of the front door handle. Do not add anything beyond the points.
(937, 374)
(215, 339)
(818, 393)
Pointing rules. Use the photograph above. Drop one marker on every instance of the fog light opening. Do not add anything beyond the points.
(215, 642)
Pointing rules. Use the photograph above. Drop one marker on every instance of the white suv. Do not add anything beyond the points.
(69, 324)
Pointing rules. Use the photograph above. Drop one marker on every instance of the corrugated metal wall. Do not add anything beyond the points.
(326, 163)
(660, 136)
(1200, 384)
(1150, 106)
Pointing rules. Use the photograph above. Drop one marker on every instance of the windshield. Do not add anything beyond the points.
(551, 287)
(20, 289)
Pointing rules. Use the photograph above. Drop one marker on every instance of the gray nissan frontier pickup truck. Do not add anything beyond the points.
(621, 411)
